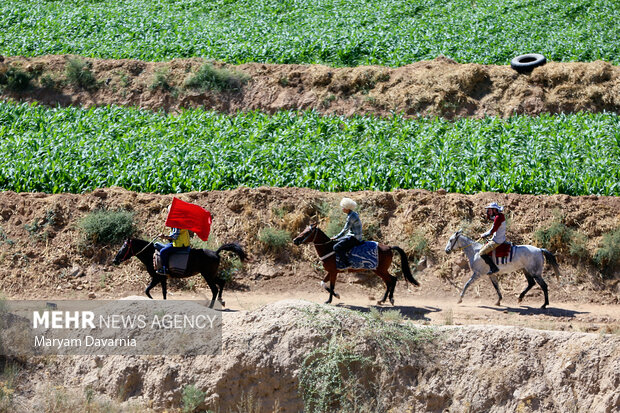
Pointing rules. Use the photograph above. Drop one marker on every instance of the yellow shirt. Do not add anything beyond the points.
(182, 240)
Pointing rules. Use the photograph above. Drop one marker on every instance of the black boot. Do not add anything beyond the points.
(344, 260)
(493, 268)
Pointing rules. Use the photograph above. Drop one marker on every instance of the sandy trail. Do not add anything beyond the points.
(431, 310)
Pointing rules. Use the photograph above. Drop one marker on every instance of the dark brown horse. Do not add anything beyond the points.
(203, 261)
(325, 247)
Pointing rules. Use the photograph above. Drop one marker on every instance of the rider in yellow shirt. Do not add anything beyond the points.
(180, 241)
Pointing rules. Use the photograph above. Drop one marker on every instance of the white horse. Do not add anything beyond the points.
(528, 258)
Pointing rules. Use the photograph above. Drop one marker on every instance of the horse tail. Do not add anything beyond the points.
(404, 263)
(551, 260)
(232, 247)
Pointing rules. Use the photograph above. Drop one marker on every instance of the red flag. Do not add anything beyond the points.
(184, 215)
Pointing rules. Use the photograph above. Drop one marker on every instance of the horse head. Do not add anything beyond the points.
(452, 242)
(307, 235)
(124, 253)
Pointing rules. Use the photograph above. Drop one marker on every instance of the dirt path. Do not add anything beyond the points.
(428, 310)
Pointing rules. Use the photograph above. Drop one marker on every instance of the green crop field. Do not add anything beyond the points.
(74, 150)
(335, 32)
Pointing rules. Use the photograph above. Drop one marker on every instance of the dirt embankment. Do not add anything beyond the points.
(44, 254)
(292, 354)
(440, 87)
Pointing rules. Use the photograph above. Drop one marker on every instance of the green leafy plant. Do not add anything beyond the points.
(112, 146)
(559, 237)
(15, 79)
(355, 33)
(607, 257)
(161, 80)
(79, 74)
(208, 77)
(275, 239)
(192, 399)
(107, 227)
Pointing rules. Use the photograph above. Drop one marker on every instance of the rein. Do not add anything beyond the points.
(130, 249)
(453, 248)
(314, 230)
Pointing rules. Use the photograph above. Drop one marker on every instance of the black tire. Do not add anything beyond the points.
(527, 62)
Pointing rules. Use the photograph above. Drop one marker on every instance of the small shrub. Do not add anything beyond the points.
(160, 80)
(15, 79)
(322, 208)
(47, 81)
(419, 245)
(607, 258)
(192, 399)
(208, 77)
(79, 74)
(559, 237)
(275, 239)
(107, 227)
(228, 268)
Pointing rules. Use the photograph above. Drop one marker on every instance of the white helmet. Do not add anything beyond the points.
(494, 205)
(348, 203)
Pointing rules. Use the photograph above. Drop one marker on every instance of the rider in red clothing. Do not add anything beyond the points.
(498, 231)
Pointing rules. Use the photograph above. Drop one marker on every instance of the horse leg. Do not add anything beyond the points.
(220, 283)
(154, 282)
(164, 287)
(332, 284)
(493, 279)
(212, 286)
(394, 280)
(530, 284)
(543, 285)
(467, 284)
(387, 279)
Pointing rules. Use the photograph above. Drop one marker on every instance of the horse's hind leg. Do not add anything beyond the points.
(213, 287)
(390, 283)
(394, 280)
(530, 284)
(220, 283)
(496, 286)
(543, 285)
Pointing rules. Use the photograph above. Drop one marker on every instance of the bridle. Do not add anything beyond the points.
(458, 234)
(315, 232)
(130, 250)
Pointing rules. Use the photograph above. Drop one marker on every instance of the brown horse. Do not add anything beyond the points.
(325, 247)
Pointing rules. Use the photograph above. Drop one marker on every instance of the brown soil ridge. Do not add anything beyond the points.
(450, 368)
(44, 255)
(440, 87)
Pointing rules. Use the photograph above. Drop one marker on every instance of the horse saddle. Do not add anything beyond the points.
(503, 253)
(177, 262)
(364, 256)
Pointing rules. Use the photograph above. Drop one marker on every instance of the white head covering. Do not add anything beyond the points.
(348, 203)
(494, 205)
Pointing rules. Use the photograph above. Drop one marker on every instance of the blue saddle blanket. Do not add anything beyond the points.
(364, 256)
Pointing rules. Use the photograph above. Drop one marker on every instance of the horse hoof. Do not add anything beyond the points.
(222, 303)
(337, 295)
(392, 301)
(498, 303)
(380, 302)
(544, 307)
(460, 301)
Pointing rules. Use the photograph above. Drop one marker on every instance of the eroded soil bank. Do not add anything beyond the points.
(440, 87)
(269, 352)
